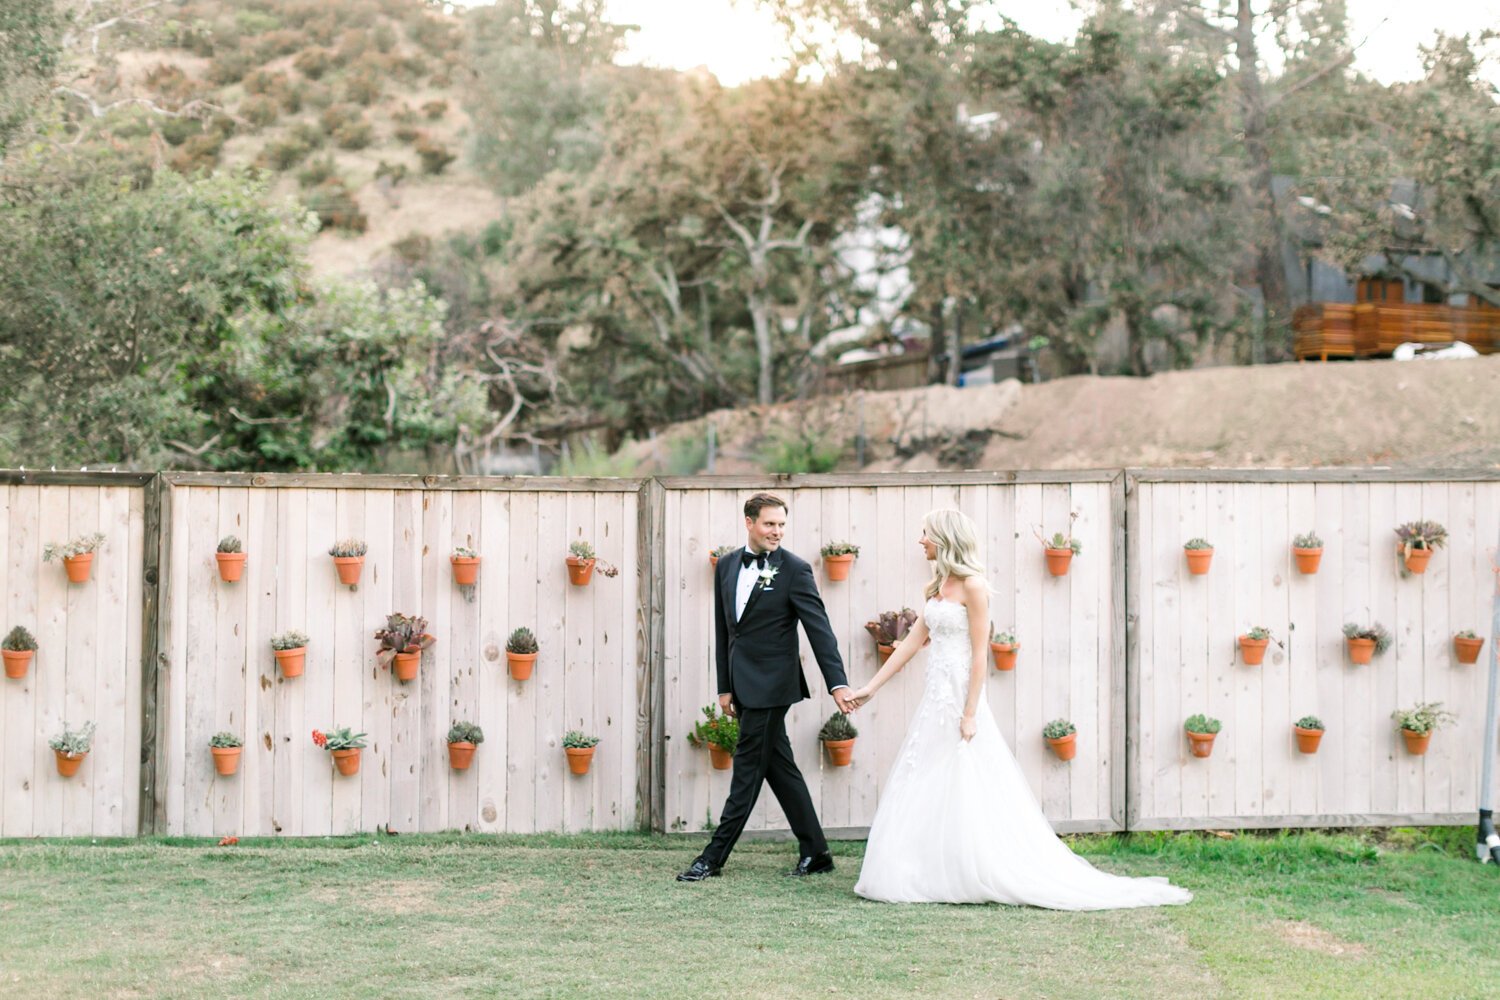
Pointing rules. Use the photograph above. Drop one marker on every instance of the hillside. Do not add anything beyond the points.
(1417, 414)
(349, 105)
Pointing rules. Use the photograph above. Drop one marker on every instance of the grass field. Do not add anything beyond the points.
(1400, 914)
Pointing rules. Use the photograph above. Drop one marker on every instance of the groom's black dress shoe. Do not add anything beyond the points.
(814, 865)
(698, 871)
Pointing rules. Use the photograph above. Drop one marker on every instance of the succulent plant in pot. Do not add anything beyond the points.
(520, 653)
(1062, 736)
(1309, 732)
(581, 559)
(720, 733)
(719, 552)
(17, 649)
(463, 739)
(1366, 641)
(1004, 647)
(1201, 730)
(1418, 540)
(1060, 548)
(77, 555)
(465, 562)
(231, 559)
(837, 558)
(1307, 550)
(889, 629)
(344, 744)
(1253, 645)
(71, 747)
(1466, 646)
(349, 559)
(1199, 555)
(838, 735)
(290, 650)
(226, 748)
(579, 746)
(402, 641)
(1418, 724)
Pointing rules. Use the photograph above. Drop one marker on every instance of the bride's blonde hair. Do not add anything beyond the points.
(957, 542)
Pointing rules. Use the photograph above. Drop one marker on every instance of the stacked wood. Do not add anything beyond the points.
(1371, 329)
(1324, 330)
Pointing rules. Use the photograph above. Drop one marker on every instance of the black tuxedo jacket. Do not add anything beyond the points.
(757, 656)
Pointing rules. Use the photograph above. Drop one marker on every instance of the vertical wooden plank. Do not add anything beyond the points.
(652, 672)
(528, 561)
(1138, 722)
(579, 660)
(1202, 652)
(450, 689)
(1301, 638)
(172, 691)
(1040, 614)
(1475, 686)
(1446, 573)
(1168, 711)
(1274, 560)
(554, 533)
(1471, 584)
(201, 666)
(1359, 710)
(482, 692)
(838, 783)
(1113, 718)
(12, 693)
(83, 648)
(1088, 688)
(1245, 732)
(261, 582)
(229, 667)
(390, 783)
(298, 553)
(1228, 618)
(612, 806)
(1048, 775)
(1390, 504)
(1327, 656)
(1003, 535)
(328, 618)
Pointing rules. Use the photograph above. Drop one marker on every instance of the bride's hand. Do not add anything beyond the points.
(967, 728)
(858, 698)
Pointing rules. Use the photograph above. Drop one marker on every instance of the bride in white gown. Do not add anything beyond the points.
(957, 822)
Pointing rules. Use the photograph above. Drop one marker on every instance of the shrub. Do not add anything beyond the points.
(355, 135)
(1203, 724)
(1058, 728)
(838, 727)
(260, 110)
(434, 155)
(801, 449)
(172, 84)
(275, 44)
(407, 133)
(265, 81)
(384, 38)
(225, 741)
(18, 640)
(521, 641)
(435, 109)
(284, 153)
(313, 62)
(230, 67)
(396, 172)
(229, 544)
(362, 87)
(465, 732)
(177, 131)
(317, 171)
(290, 639)
(576, 739)
(316, 95)
(336, 207)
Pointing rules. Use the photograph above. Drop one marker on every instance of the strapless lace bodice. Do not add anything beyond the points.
(950, 654)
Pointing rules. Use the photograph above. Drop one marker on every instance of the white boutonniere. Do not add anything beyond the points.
(766, 576)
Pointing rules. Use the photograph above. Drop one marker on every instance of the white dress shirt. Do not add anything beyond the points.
(749, 576)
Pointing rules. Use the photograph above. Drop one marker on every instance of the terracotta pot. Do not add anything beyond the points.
(579, 759)
(1202, 743)
(1417, 559)
(720, 758)
(407, 662)
(1058, 561)
(227, 759)
(460, 755)
(68, 764)
(1253, 651)
(1307, 559)
(231, 565)
(520, 664)
(579, 573)
(349, 568)
(1416, 743)
(838, 566)
(713, 560)
(1066, 747)
(291, 661)
(1308, 739)
(347, 761)
(840, 752)
(1467, 650)
(465, 571)
(1198, 560)
(79, 567)
(883, 651)
(1005, 655)
(1361, 650)
(18, 660)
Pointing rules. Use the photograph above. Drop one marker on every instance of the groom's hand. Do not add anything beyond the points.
(726, 705)
(846, 704)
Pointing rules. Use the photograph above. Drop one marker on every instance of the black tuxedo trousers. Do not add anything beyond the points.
(764, 754)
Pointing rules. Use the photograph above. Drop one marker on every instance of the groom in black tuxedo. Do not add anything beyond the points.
(761, 592)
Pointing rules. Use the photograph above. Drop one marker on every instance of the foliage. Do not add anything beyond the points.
(803, 449)
(1202, 724)
(1422, 535)
(30, 53)
(1376, 632)
(465, 732)
(17, 640)
(522, 640)
(434, 155)
(1005, 637)
(1466, 634)
(720, 551)
(1259, 633)
(590, 462)
(840, 549)
(401, 634)
(73, 741)
(1061, 540)
(838, 727)
(1197, 544)
(229, 544)
(464, 552)
(723, 731)
(225, 740)
(1424, 718)
(576, 739)
(290, 639)
(1058, 728)
(348, 548)
(1310, 540)
(334, 204)
(338, 739)
(891, 627)
(1310, 722)
(75, 547)
(581, 550)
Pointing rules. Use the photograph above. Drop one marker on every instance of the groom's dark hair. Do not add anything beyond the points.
(760, 502)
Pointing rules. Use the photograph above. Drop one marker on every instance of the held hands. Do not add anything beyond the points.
(845, 701)
(855, 700)
(967, 727)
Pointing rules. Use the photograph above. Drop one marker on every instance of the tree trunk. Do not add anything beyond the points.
(1270, 272)
(760, 318)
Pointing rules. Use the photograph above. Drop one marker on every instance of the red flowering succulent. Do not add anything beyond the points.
(338, 739)
(319, 739)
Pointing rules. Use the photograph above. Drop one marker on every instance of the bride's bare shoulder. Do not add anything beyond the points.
(976, 590)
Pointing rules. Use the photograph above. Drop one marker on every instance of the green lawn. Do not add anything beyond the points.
(1405, 914)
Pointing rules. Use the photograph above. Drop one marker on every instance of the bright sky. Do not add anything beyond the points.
(738, 41)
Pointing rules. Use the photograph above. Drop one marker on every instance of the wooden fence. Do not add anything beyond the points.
(161, 654)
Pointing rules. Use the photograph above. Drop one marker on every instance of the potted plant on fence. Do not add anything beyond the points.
(838, 735)
(402, 640)
(1004, 647)
(1309, 730)
(77, 555)
(1307, 549)
(344, 745)
(1062, 736)
(1060, 548)
(1201, 730)
(720, 732)
(231, 559)
(581, 561)
(1366, 641)
(1417, 724)
(1199, 555)
(1418, 540)
(290, 649)
(837, 558)
(889, 629)
(719, 552)
(520, 653)
(1466, 646)
(349, 560)
(580, 750)
(465, 563)
(1253, 645)
(18, 647)
(226, 748)
(71, 747)
(463, 739)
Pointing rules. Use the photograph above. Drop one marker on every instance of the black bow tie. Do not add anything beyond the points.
(747, 557)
